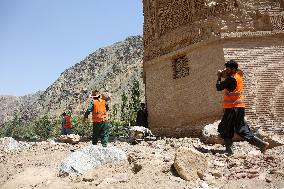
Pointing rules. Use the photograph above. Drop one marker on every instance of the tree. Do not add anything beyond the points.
(124, 109)
(84, 130)
(44, 126)
(114, 112)
(134, 104)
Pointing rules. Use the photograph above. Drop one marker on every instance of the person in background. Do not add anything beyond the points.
(142, 116)
(101, 124)
(66, 124)
(233, 120)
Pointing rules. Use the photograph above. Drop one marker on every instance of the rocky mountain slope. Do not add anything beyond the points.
(8, 104)
(110, 69)
(26, 106)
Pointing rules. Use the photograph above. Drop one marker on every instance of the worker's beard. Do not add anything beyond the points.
(231, 72)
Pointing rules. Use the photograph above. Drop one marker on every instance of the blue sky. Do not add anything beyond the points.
(39, 39)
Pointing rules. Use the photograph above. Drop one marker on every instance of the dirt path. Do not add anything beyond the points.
(36, 166)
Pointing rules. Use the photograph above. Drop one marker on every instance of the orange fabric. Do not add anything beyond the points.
(99, 113)
(235, 98)
(68, 122)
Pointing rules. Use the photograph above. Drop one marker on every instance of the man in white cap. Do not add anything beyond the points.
(101, 124)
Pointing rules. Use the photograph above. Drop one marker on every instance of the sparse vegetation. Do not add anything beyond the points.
(44, 127)
(78, 128)
(40, 128)
(128, 110)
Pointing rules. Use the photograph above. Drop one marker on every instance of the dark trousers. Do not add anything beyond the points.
(65, 131)
(233, 122)
(101, 130)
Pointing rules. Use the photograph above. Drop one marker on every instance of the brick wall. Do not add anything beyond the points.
(180, 90)
(262, 61)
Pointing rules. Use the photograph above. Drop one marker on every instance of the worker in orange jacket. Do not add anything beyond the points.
(101, 124)
(66, 124)
(234, 108)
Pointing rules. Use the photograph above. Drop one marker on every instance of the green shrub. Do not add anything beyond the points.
(17, 129)
(118, 128)
(130, 104)
(134, 103)
(2, 134)
(80, 129)
(44, 127)
(27, 133)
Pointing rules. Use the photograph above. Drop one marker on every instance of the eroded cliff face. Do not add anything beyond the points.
(172, 25)
(110, 69)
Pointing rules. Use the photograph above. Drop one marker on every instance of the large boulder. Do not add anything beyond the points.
(9, 144)
(138, 133)
(190, 164)
(211, 136)
(89, 158)
(71, 139)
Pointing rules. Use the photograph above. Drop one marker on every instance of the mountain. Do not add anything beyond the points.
(110, 69)
(8, 105)
(26, 106)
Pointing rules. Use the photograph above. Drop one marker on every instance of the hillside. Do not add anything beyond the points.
(26, 106)
(8, 105)
(110, 69)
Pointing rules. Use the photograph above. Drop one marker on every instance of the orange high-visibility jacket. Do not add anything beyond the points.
(99, 113)
(235, 98)
(67, 125)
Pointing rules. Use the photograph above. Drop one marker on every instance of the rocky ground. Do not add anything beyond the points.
(149, 165)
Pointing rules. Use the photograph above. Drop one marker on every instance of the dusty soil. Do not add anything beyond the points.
(149, 165)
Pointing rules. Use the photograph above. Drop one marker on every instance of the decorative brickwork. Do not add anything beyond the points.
(211, 32)
(277, 21)
(162, 16)
(263, 65)
(248, 34)
(180, 67)
(174, 24)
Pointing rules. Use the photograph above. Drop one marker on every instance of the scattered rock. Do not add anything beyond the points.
(254, 153)
(8, 144)
(190, 164)
(71, 139)
(218, 163)
(136, 168)
(216, 174)
(269, 180)
(211, 136)
(88, 158)
(138, 133)
(204, 185)
(88, 179)
(121, 177)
